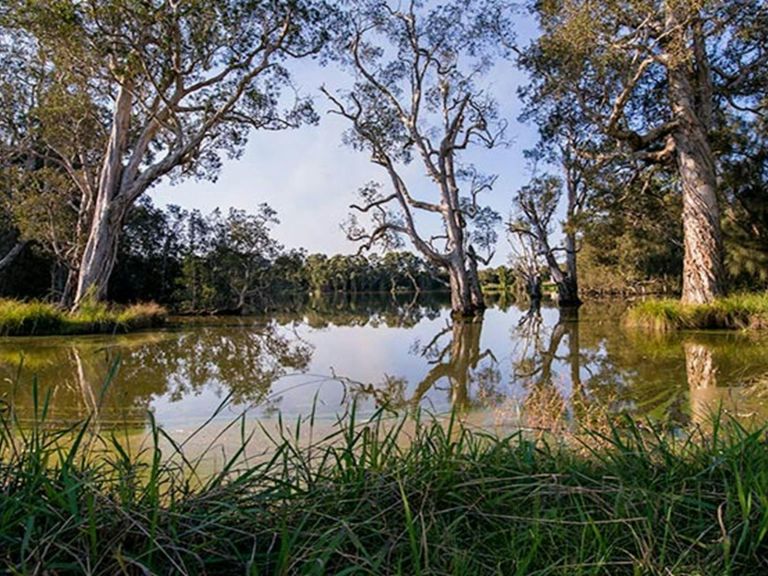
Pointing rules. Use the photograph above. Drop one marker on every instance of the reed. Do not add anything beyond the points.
(362, 500)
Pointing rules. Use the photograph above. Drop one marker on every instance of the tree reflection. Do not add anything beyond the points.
(702, 378)
(742, 397)
(548, 364)
(241, 362)
(468, 374)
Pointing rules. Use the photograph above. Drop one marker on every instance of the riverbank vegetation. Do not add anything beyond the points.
(34, 318)
(363, 500)
(736, 312)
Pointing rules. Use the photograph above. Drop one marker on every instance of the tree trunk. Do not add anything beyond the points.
(703, 271)
(68, 288)
(11, 256)
(466, 297)
(568, 289)
(533, 289)
(111, 206)
(99, 256)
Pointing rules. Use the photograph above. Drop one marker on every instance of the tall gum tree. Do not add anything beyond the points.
(656, 77)
(180, 83)
(418, 94)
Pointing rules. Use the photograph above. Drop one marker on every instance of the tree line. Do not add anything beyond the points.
(222, 262)
(651, 119)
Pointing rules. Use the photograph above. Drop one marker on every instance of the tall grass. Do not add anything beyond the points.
(736, 312)
(364, 501)
(19, 318)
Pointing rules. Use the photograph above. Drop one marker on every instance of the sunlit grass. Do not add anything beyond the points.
(362, 500)
(739, 311)
(21, 318)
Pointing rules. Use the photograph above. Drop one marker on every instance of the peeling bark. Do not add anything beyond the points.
(703, 261)
(703, 272)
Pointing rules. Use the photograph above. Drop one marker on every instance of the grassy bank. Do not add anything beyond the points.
(450, 501)
(736, 312)
(18, 318)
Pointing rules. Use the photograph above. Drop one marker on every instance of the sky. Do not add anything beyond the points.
(310, 178)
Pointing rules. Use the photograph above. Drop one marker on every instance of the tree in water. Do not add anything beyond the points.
(656, 79)
(177, 85)
(417, 92)
(536, 204)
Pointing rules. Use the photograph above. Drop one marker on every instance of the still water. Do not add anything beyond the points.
(519, 367)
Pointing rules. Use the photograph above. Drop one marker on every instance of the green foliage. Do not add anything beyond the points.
(19, 318)
(632, 239)
(738, 311)
(364, 500)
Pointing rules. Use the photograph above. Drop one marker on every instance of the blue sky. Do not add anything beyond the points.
(310, 178)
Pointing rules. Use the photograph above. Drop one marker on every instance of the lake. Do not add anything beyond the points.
(538, 369)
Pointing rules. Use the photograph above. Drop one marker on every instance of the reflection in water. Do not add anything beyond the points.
(712, 387)
(116, 379)
(547, 364)
(702, 377)
(457, 367)
(539, 366)
(459, 361)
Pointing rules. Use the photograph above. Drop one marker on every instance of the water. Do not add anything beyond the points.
(538, 369)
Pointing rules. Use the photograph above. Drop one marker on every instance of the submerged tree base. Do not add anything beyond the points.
(363, 501)
(19, 318)
(737, 312)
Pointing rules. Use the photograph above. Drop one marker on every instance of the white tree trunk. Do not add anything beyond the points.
(111, 206)
(99, 257)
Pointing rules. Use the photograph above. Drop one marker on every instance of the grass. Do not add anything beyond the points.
(363, 501)
(19, 318)
(736, 312)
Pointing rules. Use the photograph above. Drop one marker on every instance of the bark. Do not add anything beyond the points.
(110, 208)
(703, 270)
(533, 290)
(466, 296)
(99, 257)
(568, 289)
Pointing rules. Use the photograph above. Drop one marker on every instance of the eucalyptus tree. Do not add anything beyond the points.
(178, 85)
(418, 93)
(48, 124)
(536, 204)
(657, 78)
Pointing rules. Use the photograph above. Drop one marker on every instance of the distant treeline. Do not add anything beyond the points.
(225, 262)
